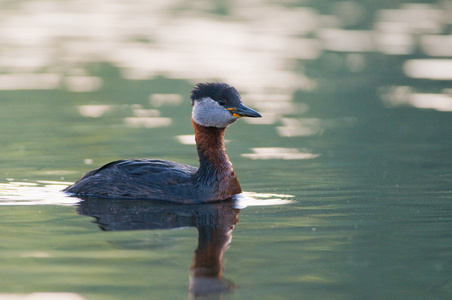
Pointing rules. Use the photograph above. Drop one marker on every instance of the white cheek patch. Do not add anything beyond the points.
(209, 113)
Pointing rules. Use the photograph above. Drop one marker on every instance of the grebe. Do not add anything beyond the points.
(215, 106)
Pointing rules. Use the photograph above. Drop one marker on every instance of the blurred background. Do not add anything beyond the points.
(75, 76)
(356, 98)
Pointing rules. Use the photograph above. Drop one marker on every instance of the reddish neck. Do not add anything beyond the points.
(214, 164)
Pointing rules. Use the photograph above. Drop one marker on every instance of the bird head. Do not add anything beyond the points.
(218, 105)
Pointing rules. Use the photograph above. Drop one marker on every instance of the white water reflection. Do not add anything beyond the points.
(140, 112)
(393, 41)
(406, 96)
(147, 122)
(438, 102)
(293, 127)
(416, 18)
(35, 193)
(280, 153)
(436, 69)
(88, 161)
(246, 199)
(300, 127)
(186, 139)
(437, 45)
(93, 111)
(29, 81)
(42, 295)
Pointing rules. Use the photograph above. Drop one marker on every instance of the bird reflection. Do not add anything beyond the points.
(214, 223)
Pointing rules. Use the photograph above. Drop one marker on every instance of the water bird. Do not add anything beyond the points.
(215, 106)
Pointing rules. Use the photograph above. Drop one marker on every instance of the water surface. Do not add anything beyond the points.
(348, 174)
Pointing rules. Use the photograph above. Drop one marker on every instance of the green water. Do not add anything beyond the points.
(349, 171)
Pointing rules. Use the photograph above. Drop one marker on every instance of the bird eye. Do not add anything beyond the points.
(221, 102)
